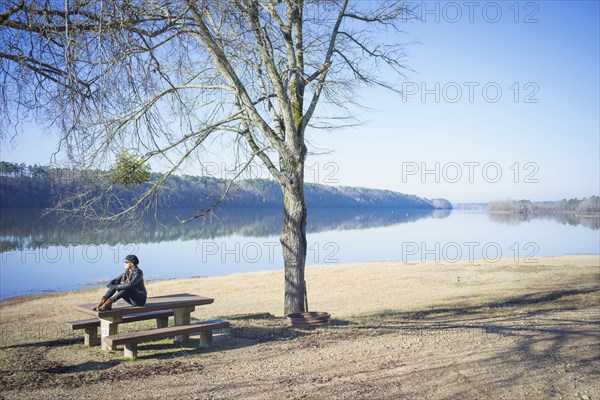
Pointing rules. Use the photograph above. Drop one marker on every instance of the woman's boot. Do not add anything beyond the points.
(107, 306)
(99, 304)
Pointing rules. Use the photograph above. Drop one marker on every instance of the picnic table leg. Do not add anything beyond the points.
(109, 326)
(90, 336)
(206, 339)
(162, 322)
(182, 317)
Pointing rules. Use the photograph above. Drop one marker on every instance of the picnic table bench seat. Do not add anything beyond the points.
(129, 340)
(90, 326)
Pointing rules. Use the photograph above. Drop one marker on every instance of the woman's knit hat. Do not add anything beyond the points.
(132, 259)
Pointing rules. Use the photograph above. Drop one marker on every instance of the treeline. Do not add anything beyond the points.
(23, 186)
(585, 206)
(20, 170)
(27, 186)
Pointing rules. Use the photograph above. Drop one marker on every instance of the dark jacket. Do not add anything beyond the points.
(136, 282)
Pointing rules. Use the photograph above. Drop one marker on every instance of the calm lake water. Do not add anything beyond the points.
(44, 255)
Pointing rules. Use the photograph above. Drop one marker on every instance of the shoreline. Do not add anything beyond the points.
(100, 286)
(270, 282)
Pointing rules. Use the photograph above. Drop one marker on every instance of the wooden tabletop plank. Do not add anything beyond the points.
(152, 304)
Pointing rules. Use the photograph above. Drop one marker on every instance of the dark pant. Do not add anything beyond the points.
(129, 295)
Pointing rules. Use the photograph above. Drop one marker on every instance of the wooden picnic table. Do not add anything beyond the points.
(182, 304)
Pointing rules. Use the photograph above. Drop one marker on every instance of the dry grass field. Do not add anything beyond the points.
(398, 330)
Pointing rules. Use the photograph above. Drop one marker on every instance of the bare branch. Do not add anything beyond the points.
(328, 56)
(215, 204)
(168, 78)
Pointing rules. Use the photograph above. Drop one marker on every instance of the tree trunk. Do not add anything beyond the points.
(293, 241)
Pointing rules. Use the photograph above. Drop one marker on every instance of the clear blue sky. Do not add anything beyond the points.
(503, 103)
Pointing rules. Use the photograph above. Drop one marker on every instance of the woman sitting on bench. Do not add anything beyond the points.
(128, 286)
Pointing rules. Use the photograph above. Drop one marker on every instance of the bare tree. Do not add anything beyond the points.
(163, 77)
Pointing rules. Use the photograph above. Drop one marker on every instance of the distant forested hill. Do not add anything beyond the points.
(23, 186)
(586, 206)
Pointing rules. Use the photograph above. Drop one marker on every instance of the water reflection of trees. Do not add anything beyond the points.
(592, 222)
(26, 229)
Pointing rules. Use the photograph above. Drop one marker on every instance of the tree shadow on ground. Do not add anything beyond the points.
(538, 333)
(511, 303)
(61, 342)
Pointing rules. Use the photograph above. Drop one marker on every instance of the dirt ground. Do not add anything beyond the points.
(432, 331)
